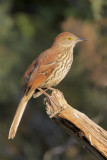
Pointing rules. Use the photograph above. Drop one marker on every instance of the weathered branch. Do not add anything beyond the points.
(77, 124)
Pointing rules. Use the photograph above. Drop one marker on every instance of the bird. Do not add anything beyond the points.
(45, 72)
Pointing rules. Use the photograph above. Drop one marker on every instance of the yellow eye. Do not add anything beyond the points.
(69, 38)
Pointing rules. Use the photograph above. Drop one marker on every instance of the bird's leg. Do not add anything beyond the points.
(38, 93)
(50, 88)
(52, 115)
(54, 112)
(43, 91)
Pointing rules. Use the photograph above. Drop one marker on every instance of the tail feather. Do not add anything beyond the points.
(18, 115)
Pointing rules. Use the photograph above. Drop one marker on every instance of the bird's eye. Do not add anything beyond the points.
(69, 38)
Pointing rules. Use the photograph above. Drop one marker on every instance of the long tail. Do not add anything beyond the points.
(18, 115)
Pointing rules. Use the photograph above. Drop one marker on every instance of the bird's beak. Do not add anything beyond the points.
(81, 39)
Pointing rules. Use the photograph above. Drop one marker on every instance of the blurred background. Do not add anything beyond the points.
(28, 27)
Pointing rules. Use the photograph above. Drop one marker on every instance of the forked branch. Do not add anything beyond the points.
(77, 124)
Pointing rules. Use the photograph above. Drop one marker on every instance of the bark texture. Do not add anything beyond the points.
(77, 124)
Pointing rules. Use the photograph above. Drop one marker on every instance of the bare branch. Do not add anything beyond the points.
(77, 124)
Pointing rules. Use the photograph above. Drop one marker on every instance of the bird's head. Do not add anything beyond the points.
(67, 39)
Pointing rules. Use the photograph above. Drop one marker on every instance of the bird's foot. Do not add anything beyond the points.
(43, 91)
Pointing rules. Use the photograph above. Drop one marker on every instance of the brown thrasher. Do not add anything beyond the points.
(46, 71)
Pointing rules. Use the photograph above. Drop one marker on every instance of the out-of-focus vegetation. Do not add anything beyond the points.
(28, 27)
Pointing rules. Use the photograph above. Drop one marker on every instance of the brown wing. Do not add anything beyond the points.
(40, 70)
(36, 74)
